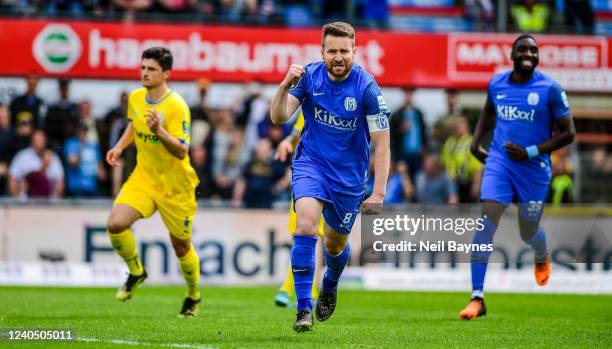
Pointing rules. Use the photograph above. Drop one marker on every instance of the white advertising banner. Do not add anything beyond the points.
(68, 245)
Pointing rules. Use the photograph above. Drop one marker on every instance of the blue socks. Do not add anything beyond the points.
(335, 266)
(480, 259)
(538, 243)
(303, 263)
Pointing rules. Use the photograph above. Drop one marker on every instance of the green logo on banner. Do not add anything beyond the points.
(57, 48)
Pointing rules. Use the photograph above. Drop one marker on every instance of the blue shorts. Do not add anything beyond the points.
(506, 183)
(339, 209)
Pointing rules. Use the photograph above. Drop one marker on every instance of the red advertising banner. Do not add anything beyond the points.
(106, 50)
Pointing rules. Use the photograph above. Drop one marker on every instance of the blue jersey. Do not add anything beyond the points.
(338, 117)
(525, 114)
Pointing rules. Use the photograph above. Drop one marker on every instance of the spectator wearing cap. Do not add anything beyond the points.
(83, 164)
(23, 134)
(36, 171)
(62, 117)
(27, 106)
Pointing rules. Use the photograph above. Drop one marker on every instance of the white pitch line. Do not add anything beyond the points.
(126, 342)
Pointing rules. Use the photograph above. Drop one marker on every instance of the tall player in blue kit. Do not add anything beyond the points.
(522, 106)
(343, 109)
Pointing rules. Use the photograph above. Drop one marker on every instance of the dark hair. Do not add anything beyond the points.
(338, 29)
(521, 37)
(161, 55)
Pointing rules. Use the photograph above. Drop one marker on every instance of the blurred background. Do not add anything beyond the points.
(70, 65)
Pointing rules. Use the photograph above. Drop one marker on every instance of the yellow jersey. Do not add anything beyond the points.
(164, 172)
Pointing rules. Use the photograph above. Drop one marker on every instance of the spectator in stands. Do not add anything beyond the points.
(433, 186)
(228, 155)
(530, 16)
(62, 117)
(297, 13)
(200, 115)
(443, 126)
(375, 13)
(399, 186)
(6, 138)
(36, 171)
(115, 122)
(172, 6)
(263, 178)
(83, 165)
(72, 7)
(251, 110)
(86, 118)
(130, 7)
(562, 185)
(408, 134)
(579, 17)
(23, 134)
(275, 133)
(461, 166)
(28, 105)
(481, 13)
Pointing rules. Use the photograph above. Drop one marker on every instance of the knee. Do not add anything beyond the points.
(115, 225)
(181, 247)
(307, 227)
(335, 246)
(528, 232)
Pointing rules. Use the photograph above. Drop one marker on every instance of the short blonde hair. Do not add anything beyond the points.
(338, 29)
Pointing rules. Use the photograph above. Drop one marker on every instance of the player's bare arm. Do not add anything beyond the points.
(112, 156)
(284, 105)
(382, 159)
(485, 124)
(565, 136)
(172, 145)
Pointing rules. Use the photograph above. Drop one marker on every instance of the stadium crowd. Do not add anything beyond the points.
(56, 149)
(573, 16)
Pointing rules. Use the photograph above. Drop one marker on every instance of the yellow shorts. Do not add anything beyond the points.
(177, 211)
(293, 221)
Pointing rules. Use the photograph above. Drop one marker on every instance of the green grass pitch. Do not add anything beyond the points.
(247, 317)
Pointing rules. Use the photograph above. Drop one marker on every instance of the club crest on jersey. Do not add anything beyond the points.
(382, 122)
(533, 98)
(350, 104)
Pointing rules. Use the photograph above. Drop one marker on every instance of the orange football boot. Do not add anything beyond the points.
(475, 308)
(542, 271)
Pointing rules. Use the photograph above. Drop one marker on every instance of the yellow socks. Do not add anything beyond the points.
(125, 246)
(289, 287)
(190, 267)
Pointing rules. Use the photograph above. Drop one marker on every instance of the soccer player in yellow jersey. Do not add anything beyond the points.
(162, 180)
(287, 289)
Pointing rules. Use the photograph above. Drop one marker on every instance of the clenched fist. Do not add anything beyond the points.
(293, 75)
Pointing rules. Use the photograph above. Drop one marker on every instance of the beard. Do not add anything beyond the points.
(338, 70)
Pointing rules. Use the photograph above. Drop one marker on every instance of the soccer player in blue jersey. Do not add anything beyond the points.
(343, 110)
(522, 106)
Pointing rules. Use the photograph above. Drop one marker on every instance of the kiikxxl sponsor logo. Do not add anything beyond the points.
(511, 113)
(327, 119)
(57, 48)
